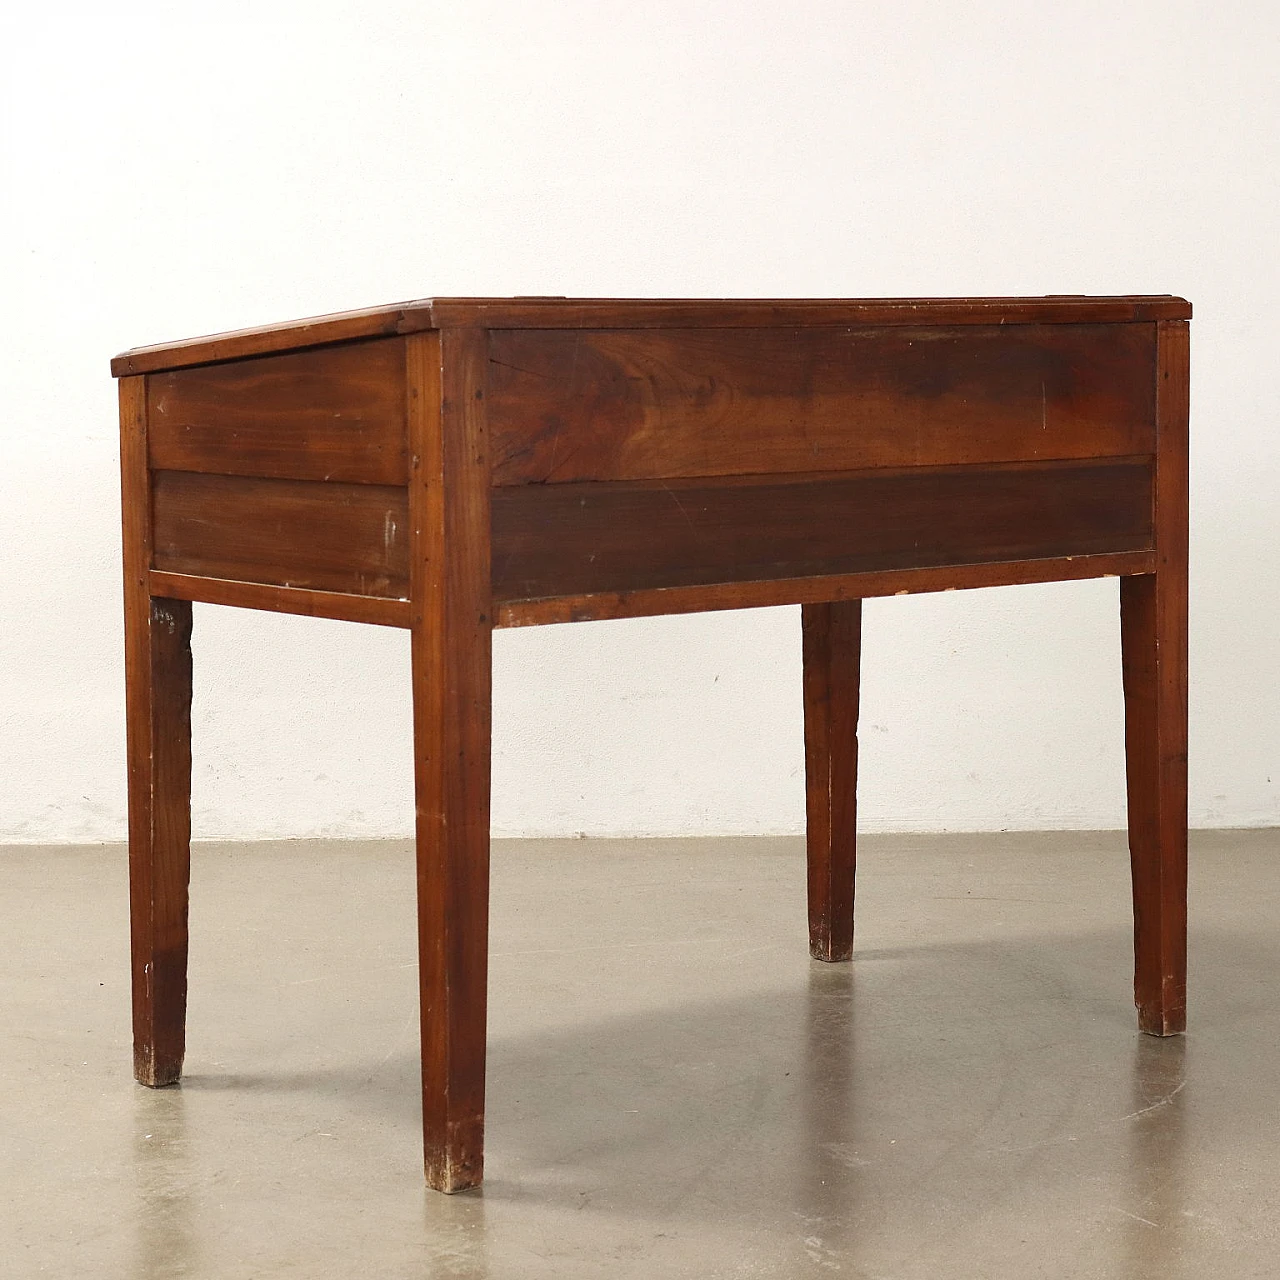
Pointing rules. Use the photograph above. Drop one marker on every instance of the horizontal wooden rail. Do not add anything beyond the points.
(258, 595)
(853, 586)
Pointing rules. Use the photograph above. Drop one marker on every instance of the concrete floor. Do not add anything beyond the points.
(675, 1089)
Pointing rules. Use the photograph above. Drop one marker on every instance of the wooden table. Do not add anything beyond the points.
(454, 465)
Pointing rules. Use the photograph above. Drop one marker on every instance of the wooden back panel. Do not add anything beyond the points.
(583, 539)
(658, 404)
(633, 462)
(628, 461)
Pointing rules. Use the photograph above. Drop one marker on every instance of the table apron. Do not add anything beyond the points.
(331, 545)
(579, 539)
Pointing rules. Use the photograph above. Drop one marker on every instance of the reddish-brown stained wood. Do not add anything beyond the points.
(350, 538)
(452, 626)
(1153, 617)
(720, 313)
(158, 731)
(832, 645)
(255, 595)
(639, 313)
(334, 413)
(722, 454)
(855, 586)
(553, 540)
(294, 335)
(639, 404)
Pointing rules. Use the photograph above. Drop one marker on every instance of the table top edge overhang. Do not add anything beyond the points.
(622, 313)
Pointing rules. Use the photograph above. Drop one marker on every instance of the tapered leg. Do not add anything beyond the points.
(451, 643)
(1153, 630)
(158, 704)
(157, 660)
(451, 731)
(1153, 624)
(832, 639)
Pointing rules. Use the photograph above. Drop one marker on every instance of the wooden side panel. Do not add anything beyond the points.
(645, 404)
(350, 538)
(551, 540)
(333, 413)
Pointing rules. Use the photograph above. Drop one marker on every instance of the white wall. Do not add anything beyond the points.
(170, 173)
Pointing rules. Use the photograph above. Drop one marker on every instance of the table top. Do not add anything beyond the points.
(644, 313)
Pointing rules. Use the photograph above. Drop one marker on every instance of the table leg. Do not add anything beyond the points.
(158, 708)
(1153, 633)
(452, 698)
(1153, 620)
(832, 639)
(451, 729)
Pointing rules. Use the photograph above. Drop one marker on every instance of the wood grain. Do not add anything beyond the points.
(569, 540)
(455, 464)
(632, 313)
(793, 591)
(349, 538)
(831, 636)
(1153, 618)
(158, 739)
(294, 335)
(298, 600)
(638, 405)
(334, 413)
(722, 313)
(451, 645)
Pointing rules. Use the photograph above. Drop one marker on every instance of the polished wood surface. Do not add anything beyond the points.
(454, 465)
